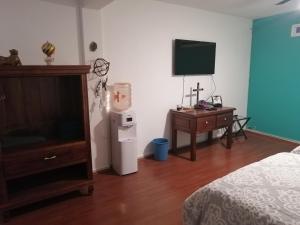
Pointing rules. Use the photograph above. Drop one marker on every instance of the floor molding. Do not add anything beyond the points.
(272, 136)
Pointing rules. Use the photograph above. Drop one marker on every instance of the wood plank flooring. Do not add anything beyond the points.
(156, 193)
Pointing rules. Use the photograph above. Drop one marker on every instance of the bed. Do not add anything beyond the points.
(266, 192)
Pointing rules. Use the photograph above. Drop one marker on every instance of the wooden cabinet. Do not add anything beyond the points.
(199, 121)
(44, 133)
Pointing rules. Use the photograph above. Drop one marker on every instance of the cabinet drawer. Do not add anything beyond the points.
(42, 160)
(206, 123)
(224, 120)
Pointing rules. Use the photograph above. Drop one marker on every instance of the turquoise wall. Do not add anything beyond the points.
(274, 87)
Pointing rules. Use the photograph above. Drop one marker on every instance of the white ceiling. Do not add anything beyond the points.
(251, 9)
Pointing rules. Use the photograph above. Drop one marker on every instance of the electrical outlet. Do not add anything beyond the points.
(295, 30)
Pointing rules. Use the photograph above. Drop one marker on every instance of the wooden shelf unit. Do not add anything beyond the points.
(49, 102)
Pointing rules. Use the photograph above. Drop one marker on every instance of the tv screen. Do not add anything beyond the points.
(194, 57)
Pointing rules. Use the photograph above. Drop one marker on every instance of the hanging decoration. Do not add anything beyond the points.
(101, 68)
(93, 46)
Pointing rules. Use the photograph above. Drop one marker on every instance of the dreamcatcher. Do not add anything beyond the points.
(101, 68)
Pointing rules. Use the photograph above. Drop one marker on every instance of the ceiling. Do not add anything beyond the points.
(90, 4)
(251, 9)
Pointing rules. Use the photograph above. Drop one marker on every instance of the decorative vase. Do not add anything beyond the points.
(48, 49)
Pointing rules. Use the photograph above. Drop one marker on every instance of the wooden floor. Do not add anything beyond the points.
(156, 193)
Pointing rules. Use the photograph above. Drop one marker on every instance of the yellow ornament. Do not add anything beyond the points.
(48, 48)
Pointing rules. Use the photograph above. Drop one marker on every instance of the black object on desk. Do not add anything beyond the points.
(216, 101)
(241, 122)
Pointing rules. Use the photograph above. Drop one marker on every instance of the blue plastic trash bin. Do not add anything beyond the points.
(161, 147)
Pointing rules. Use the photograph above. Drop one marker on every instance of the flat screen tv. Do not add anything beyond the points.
(194, 57)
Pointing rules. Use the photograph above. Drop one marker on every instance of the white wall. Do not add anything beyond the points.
(26, 25)
(137, 40)
(99, 120)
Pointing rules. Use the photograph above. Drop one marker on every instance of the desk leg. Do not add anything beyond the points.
(174, 141)
(229, 136)
(193, 146)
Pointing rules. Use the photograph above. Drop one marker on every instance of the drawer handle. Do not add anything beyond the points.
(206, 122)
(225, 118)
(50, 158)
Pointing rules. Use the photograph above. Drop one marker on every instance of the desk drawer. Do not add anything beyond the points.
(182, 123)
(42, 160)
(206, 123)
(224, 120)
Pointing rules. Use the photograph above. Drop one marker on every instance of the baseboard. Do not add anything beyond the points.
(109, 168)
(272, 136)
(102, 170)
(147, 155)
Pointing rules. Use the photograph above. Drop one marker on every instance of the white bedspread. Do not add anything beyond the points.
(263, 193)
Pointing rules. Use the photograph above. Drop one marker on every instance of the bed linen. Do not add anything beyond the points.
(266, 192)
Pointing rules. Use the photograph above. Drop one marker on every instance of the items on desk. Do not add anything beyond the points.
(179, 107)
(184, 109)
(217, 101)
(198, 89)
(205, 105)
(191, 95)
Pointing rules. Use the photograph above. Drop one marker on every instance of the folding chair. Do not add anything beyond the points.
(240, 122)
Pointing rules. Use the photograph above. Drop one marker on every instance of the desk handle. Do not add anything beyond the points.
(225, 118)
(206, 122)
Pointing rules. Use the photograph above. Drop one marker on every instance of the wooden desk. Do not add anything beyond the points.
(200, 121)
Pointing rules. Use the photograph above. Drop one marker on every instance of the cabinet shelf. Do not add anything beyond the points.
(43, 192)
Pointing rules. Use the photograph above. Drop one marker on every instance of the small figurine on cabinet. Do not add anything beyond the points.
(12, 60)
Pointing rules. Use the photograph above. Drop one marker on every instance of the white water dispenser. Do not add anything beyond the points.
(124, 146)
